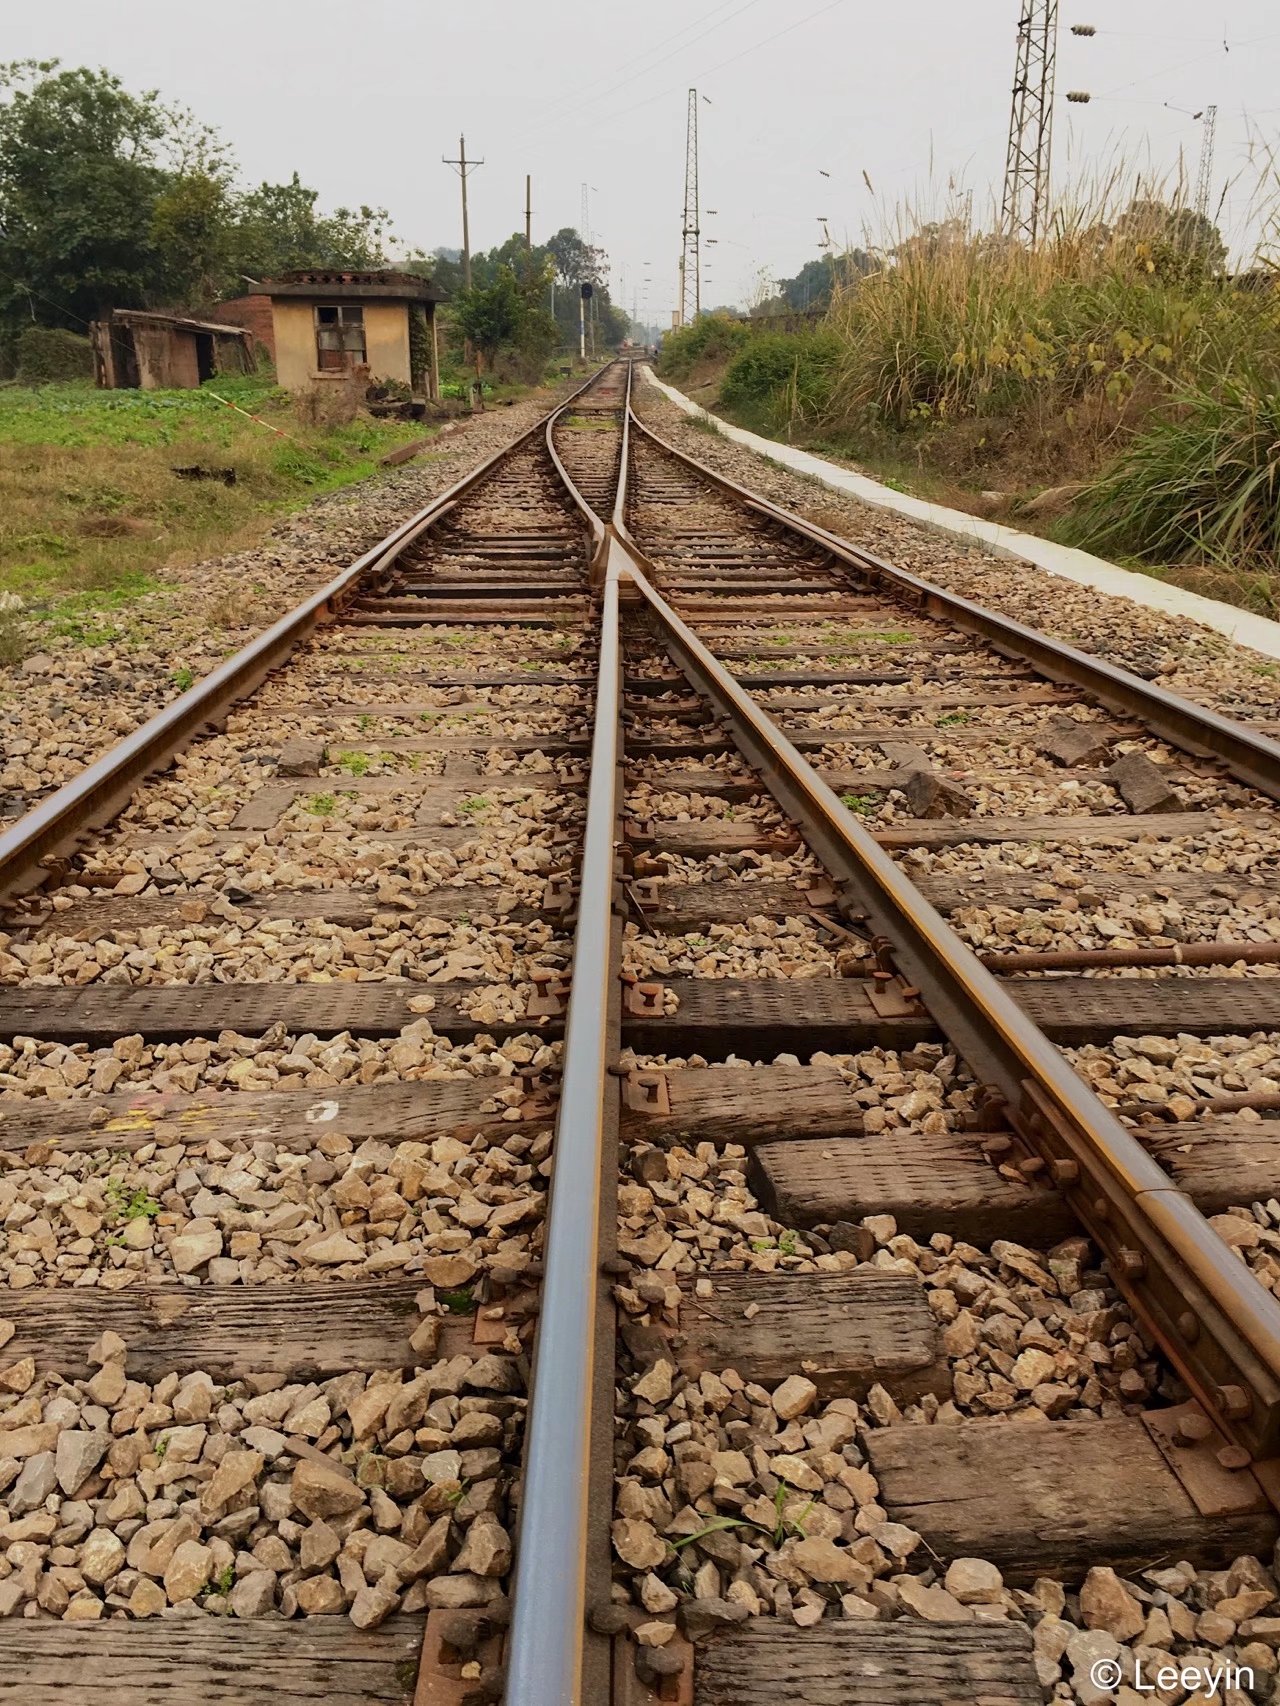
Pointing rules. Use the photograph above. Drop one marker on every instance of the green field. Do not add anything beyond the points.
(92, 510)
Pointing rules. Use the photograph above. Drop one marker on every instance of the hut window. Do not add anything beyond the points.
(339, 337)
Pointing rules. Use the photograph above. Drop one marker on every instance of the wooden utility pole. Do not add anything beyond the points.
(528, 214)
(462, 166)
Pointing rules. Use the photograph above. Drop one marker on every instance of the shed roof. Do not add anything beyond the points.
(175, 322)
(333, 284)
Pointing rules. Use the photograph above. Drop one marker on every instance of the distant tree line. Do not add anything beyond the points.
(115, 199)
(525, 302)
(811, 290)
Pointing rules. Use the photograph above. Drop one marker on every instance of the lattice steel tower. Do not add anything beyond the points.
(690, 234)
(1026, 171)
(1204, 182)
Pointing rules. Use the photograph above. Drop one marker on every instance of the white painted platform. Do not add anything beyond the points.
(1240, 625)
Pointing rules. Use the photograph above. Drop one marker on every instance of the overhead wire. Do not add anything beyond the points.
(603, 94)
(733, 59)
(1168, 70)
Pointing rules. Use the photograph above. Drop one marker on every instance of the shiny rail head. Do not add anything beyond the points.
(55, 824)
(1251, 756)
(1163, 1256)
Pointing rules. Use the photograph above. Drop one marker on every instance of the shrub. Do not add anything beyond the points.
(47, 354)
(711, 338)
(780, 378)
(1201, 485)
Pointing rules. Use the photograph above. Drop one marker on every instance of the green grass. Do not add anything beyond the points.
(92, 512)
(1119, 352)
(1201, 486)
(130, 1205)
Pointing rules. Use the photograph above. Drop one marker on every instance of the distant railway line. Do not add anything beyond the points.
(519, 1186)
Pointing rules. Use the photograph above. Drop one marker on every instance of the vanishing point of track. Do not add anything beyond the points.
(606, 814)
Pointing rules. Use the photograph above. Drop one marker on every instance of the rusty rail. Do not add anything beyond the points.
(1219, 1327)
(1248, 754)
(53, 826)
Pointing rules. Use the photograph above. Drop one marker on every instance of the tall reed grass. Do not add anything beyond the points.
(1200, 484)
(957, 325)
(1125, 348)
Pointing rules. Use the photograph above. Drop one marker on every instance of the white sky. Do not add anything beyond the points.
(364, 99)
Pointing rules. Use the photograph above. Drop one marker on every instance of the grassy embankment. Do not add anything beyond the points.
(1114, 370)
(91, 509)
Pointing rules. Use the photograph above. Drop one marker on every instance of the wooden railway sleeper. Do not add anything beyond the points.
(1129, 1220)
(1218, 1325)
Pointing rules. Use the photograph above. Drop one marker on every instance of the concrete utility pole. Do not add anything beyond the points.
(462, 166)
(690, 250)
(528, 214)
(1026, 171)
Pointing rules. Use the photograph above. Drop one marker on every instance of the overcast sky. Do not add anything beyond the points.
(364, 98)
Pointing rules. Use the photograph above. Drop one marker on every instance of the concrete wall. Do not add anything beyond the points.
(386, 333)
(295, 336)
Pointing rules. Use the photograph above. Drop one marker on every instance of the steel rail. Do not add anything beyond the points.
(546, 1645)
(103, 788)
(1219, 1326)
(1250, 755)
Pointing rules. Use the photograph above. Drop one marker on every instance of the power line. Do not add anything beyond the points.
(633, 76)
(733, 59)
(1168, 70)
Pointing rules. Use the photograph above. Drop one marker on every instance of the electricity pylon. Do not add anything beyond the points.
(1026, 171)
(690, 247)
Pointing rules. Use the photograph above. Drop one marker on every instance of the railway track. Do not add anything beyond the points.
(630, 822)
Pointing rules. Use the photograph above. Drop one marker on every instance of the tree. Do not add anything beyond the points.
(192, 232)
(1171, 242)
(80, 172)
(575, 261)
(812, 287)
(278, 227)
(490, 316)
